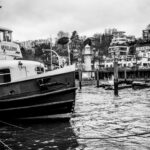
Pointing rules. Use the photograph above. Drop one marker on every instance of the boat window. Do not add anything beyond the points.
(5, 36)
(123, 48)
(5, 76)
(122, 53)
(39, 70)
(1, 36)
(145, 64)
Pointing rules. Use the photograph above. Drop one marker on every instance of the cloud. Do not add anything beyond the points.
(42, 18)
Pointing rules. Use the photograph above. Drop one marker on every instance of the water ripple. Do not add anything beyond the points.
(121, 122)
(101, 121)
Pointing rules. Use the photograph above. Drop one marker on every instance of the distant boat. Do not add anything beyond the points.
(27, 90)
(140, 84)
(108, 84)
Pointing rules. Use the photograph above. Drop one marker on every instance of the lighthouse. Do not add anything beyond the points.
(87, 56)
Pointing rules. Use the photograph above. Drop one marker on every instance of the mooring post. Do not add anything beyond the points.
(97, 77)
(115, 77)
(125, 74)
(80, 78)
(125, 71)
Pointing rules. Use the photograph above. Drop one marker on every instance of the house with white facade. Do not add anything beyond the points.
(119, 49)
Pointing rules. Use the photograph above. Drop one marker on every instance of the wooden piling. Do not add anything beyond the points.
(115, 77)
(125, 74)
(97, 77)
(80, 78)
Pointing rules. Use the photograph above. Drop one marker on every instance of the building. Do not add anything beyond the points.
(119, 48)
(31, 43)
(146, 33)
(118, 45)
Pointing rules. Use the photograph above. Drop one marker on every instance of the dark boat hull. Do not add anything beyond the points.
(140, 85)
(43, 97)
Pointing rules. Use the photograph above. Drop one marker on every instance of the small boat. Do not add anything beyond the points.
(27, 90)
(109, 84)
(140, 85)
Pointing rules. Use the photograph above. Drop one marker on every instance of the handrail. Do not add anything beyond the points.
(52, 51)
(4, 74)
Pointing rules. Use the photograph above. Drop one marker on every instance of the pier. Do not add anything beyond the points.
(125, 76)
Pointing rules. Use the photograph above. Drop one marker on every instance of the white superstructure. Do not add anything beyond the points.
(8, 49)
(11, 67)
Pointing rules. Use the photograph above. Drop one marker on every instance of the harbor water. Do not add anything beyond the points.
(100, 121)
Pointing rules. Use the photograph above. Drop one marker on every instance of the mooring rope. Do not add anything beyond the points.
(78, 137)
(11, 124)
(5, 145)
(19, 127)
(26, 129)
(113, 137)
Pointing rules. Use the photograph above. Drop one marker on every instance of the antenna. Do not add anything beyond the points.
(0, 4)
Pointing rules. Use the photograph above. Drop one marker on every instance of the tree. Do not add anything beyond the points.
(23, 51)
(76, 46)
(38, 51)
(74, 36)
(105, 43)
(61, 34)
(74, 40)
(39, 47)
(88, 41)
(63, 40)
(132, 50)
(97, 41)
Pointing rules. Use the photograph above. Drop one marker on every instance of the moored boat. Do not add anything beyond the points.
(27, 90)
(140, 84)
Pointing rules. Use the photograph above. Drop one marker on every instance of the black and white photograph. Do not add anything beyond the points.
(74, 75)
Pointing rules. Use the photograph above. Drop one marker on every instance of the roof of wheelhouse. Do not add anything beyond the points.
(5, 29)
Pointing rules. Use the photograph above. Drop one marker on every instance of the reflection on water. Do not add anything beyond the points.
(39, 136)
(101, 122)
(100, 115)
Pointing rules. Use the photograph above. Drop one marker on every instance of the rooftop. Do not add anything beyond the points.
(5, 29)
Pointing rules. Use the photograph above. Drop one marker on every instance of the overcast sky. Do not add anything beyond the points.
(34, 19)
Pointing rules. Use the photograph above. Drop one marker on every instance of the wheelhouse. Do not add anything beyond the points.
(8, 48)
(5, 35)
(5, 75)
